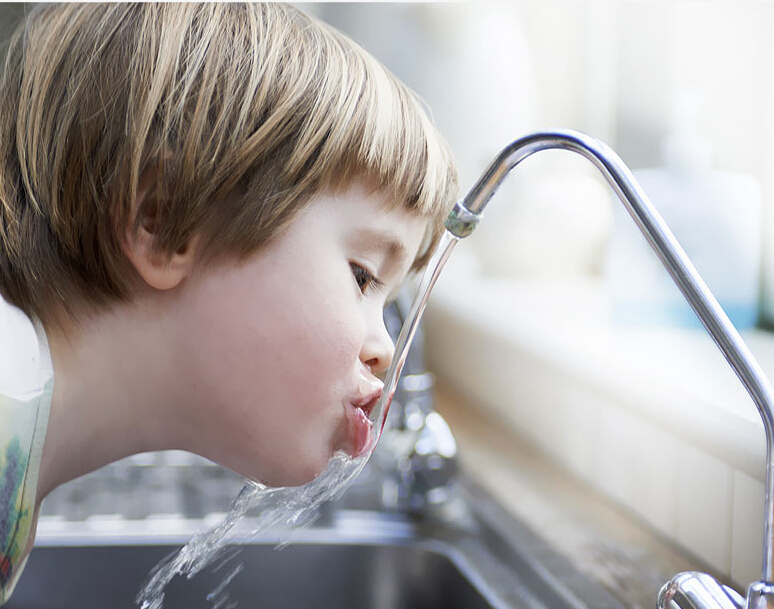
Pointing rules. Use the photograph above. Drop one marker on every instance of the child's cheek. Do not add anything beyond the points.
(339, 333)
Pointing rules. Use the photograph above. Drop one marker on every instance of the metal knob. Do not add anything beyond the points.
(693, 590)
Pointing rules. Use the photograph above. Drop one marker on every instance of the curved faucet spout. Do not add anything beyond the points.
(463, 219)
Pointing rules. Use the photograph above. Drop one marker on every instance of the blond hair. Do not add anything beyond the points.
(245, 111)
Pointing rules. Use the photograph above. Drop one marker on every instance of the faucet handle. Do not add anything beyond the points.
(434, 457)
(419, 459)
(694, 590)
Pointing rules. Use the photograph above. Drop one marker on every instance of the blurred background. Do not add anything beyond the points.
(684, 87)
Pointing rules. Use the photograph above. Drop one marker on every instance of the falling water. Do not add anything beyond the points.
(292, 507)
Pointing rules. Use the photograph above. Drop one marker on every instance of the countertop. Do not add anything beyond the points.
(602, 540)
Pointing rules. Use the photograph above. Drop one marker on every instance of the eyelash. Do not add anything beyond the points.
(365, 280)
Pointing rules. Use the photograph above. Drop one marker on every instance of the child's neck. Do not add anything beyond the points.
(112, 396)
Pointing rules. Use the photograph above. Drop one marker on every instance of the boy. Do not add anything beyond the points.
(203, 209)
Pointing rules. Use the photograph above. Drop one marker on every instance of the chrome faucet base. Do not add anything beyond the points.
(693, 590)
(760, 595)
(417, 453)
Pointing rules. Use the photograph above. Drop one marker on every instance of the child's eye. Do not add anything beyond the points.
(364, 279)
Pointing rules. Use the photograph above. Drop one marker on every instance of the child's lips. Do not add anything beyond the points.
(359, 425)
(368, 403)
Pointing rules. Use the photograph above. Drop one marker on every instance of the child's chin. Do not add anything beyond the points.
(296, 476)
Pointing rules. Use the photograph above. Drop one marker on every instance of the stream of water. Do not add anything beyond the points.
(291, 507)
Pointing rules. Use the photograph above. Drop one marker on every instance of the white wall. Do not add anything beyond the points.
(626, 72)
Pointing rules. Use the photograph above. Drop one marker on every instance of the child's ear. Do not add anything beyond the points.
(159, 270)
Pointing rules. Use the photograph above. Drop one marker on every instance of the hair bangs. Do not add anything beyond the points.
(365, 123)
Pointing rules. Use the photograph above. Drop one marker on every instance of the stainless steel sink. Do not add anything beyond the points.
(470, 554)
(307, 574)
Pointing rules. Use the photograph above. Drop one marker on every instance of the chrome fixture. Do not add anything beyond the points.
(686, 590)
(417, 453)
(693, 590)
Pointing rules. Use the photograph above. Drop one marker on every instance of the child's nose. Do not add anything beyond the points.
(378, 348)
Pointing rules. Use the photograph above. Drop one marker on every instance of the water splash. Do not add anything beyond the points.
(285, 507)
(219, 597)
(292, 507)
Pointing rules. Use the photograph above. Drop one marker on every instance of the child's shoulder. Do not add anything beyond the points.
(24, 367)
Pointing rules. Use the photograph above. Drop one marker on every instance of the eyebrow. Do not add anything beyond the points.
(375, 239)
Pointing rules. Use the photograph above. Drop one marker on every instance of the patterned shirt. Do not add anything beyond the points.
(26, 386)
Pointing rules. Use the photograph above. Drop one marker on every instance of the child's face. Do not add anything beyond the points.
(281, 348)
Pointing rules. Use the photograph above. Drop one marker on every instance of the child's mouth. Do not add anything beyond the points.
(360, 427)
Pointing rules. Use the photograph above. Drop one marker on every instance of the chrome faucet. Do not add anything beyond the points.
(417, 452)
(687, 590)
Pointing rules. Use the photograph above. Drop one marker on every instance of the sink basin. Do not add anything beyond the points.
(473, 555)
(324, 576)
